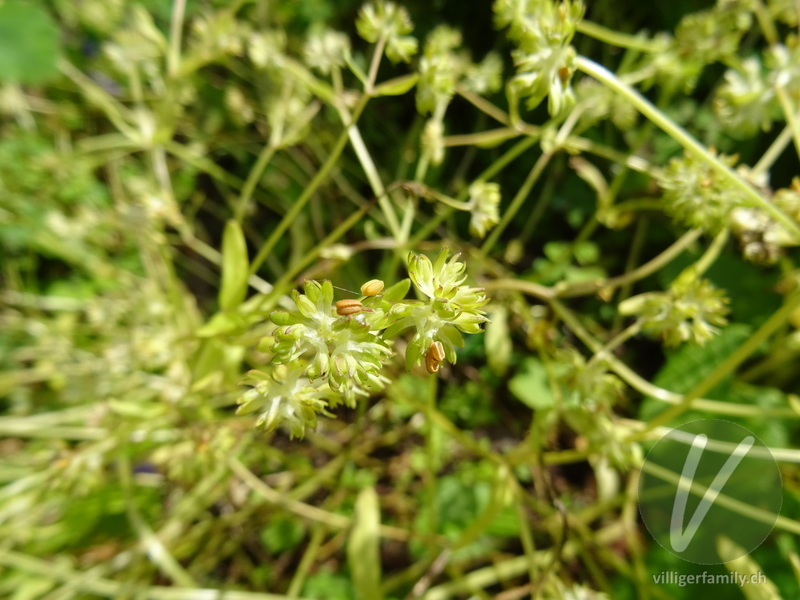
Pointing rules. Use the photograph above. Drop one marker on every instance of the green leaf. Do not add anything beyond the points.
(363, 547)
(235, 267)
(398, 291)
(28, 44)
(531, 385)
(397, 86)
(688, 365)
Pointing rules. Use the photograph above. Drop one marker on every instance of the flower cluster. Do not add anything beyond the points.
(695, 195)
(388, 22)
(484, 200)
(761, 238)
(326, 353)
(442, 67)
(690, 311)
(544, 58)
(748, 98)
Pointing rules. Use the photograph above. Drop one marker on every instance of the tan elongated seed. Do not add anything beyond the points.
(434, 357)
(348, 307)
(431, 363)
(437, 350)
(372, 288)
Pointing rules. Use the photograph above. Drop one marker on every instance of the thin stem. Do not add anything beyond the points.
(485, 106)
(516, 203)
(309, 191)
(791, 116)
(497, 166)
(253, 178)
(711, 254)
(375, 64)
(616, 38)
(582, 288)
(176, 30)
(301, 509)
(286, 280)
(681, 136)
(488, 138)
(774, 151)
(648, 389)
(155, 549)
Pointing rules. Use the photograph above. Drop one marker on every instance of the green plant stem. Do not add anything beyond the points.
(253, 178)
(287, 279)
(375, 63)
(301, 202)
(681, 136)
(306, 511)
(728, 366)
(616, 38)
(155, 549)
(119, 115)
(175, 31)
(623, 336)
(519, 199)
(107, 588)
(482, 139)
(790, 113)
(639, 237)
(309, 557)
(485, 577)
(582, 288)
(736, 506)
(648, 389)
(711, 254)
(766, 23)
(433, 457)
(516, 150)
(774, 151)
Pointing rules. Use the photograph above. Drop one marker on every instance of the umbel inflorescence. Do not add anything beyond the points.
(329, 353)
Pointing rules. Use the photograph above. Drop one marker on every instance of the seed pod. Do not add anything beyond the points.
(372, 288)
(348, 307)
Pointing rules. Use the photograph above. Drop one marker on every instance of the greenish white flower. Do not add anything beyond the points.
(284, 397)
(692, 310)
(484, 198)
(543, 30)
(326, 49)
(387, 20)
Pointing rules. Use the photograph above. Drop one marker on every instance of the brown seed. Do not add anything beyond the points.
(348, 307)
(431, 363)
(437, 350)
(372, 288)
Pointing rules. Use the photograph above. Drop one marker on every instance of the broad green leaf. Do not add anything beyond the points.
(531, 385)
(363, 547)
(235, 267)
(397, 86)
(688, 365)
(28, 44)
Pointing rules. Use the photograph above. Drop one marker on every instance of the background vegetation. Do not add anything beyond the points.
(170, 171)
